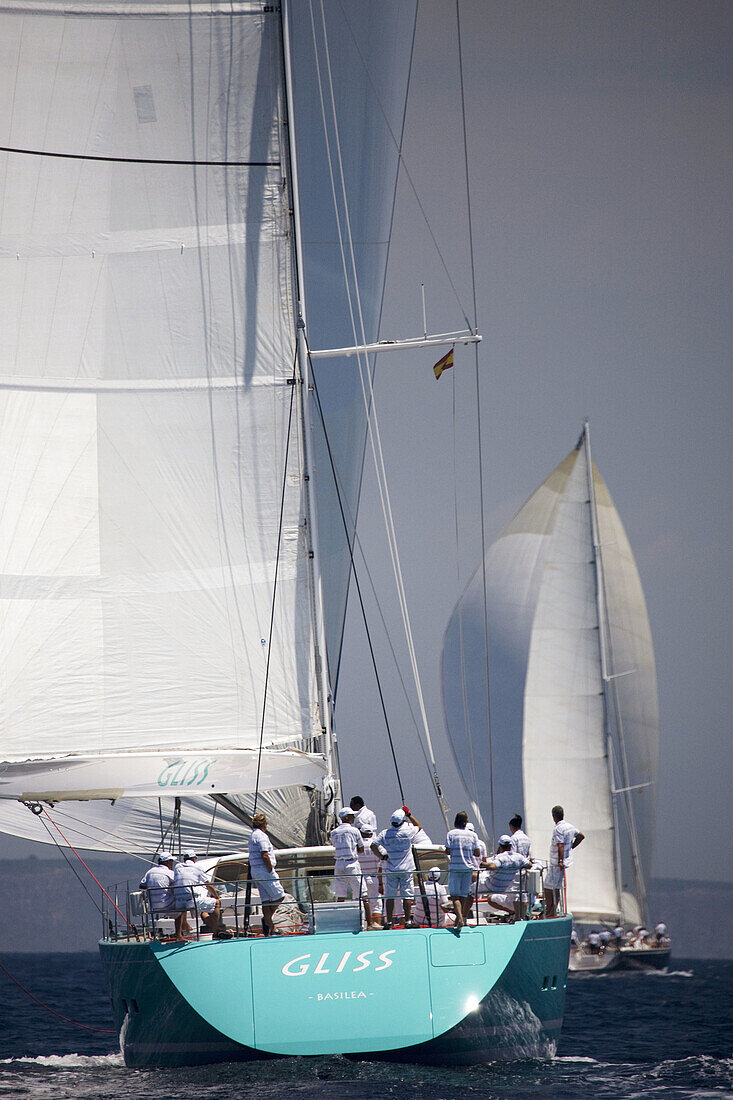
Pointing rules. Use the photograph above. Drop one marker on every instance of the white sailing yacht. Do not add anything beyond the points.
(572, 679)
(175, 192)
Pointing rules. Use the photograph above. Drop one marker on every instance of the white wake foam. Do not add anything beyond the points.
(68, 1061)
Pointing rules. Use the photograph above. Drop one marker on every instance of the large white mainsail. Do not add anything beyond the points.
(583, 738)
(147, 266)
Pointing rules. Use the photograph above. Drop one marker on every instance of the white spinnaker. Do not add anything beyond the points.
(564, 749)
(139, 526)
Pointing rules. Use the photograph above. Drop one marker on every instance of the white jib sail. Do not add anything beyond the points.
(145, 354)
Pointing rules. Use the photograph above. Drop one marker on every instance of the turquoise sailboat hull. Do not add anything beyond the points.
(424, 995)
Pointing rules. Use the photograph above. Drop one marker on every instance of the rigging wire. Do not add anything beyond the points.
(99, 884)
(356, 579)
(293, 383)
(142, 160)
(53, 1011)
(368, 399)
(403, 164)
(70, 865)
(357, 496)
(478, 423)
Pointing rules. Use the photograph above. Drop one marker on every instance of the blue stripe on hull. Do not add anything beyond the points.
(495, 992)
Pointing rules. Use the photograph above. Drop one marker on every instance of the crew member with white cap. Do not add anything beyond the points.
(501, 883)
(347, 877)
(395, 846)
(158, 881)
(371, 869)
(480, 844)
(192, 890)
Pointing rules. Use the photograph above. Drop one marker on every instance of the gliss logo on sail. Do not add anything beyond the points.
(301, 965)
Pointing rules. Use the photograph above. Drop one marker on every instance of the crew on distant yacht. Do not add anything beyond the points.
(362, 814)
(262, 862)
(395, 846)
(347, 875)
(520, 840)
(461, 845)
(501, 883)
(192, 890)
(565, 837)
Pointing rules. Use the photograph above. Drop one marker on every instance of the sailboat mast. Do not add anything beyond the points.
(602, 642)
(306, 407)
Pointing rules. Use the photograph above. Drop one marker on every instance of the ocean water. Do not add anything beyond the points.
(656, 1036)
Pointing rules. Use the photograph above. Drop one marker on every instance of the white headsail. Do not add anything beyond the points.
(583, 738)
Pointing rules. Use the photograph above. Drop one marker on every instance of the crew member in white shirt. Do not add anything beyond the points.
(192, 890)
(565, 838)
(501, 883)
(395, 846)
(660, 932)
(362, 814)
(347, 876)
(371, 869)
(158, 881)
(520, 840)
(262, 862)
(460, 844)
(482, 849)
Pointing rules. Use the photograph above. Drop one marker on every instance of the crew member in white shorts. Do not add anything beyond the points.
(262, 862)
(347, 875)
(565, 837)
(192, 890)
(371, 869)
(395, 846)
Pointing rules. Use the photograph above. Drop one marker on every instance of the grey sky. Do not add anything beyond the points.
(600, 173)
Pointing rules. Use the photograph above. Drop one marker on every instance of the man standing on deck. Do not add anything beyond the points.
(362, 814)
(347, 876)
(565, 837)
(371, 869)
(262, 871)
(520, 840)
(395, 845)
(461, 845)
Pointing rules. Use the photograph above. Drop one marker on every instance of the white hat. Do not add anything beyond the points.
(471, 826)
(189, 854)
(398, 817)
(434, 874)
(366, 828)
(504, 839)
(346, 812)
(164, 857)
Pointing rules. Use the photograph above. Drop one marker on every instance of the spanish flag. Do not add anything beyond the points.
(443, 364)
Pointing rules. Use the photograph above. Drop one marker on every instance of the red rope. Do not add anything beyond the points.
(68, 1020)
(99, 884)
